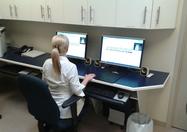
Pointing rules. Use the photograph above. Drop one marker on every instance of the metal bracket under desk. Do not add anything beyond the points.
(10, 70)
(106, 93)
(105, 99)
(13, 70)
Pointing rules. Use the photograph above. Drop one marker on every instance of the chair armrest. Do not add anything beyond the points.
(69, 102)
(72, 102)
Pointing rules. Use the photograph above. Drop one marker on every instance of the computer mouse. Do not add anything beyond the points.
(120, 95)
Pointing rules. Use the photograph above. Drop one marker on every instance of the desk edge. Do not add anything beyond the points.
(22, 64)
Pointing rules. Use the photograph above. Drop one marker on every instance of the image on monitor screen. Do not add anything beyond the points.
(122, 51)
(77, 44)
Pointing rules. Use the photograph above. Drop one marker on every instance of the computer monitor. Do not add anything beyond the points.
(77, 44)
(122, 51)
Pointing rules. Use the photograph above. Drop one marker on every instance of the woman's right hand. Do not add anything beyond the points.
(87, 78)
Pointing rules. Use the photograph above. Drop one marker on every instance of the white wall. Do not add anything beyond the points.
(178, 100)
(160, 52)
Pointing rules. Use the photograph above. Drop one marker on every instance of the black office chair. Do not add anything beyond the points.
(43, 107)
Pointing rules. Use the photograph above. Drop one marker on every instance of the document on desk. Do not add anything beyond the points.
(33, 53)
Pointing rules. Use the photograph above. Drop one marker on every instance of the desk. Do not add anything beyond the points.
(133, 81)
(130, 81)
(12, 57)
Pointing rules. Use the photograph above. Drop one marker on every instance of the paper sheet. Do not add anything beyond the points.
(33, 53)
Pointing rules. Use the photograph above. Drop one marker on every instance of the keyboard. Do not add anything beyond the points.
(109, 77)
(82, 69)
(100, 91)
(97, 71)
(103, 75)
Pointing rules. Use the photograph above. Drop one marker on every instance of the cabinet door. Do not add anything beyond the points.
(38, 10)
(6, 9)
(102, 12)
(54, 11)
(164, 14)
(134, 13)
(22, 9)
(75, 11)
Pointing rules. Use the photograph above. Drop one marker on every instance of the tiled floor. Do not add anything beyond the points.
(15, 117)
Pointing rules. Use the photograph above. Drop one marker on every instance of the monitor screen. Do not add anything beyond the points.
(122, 51)
(77, 44)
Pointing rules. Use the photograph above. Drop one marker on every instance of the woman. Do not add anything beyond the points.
(62, 76)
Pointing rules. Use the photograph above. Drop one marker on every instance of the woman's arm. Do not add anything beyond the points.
(75, 85)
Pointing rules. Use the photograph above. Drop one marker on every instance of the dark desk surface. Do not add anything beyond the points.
(14, 57)
(128, 80)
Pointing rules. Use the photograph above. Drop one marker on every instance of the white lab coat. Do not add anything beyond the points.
(65, 86)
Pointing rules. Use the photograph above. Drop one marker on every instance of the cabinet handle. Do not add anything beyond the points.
(158, 15)
(82, 15)
(10, 8)
(49, 12)
(42, 11)
(16, 11)
(145, 15)
(91, 14)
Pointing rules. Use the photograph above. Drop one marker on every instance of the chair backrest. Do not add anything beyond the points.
(39, 100)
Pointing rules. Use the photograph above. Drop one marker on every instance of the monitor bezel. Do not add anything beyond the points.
(118, 64)
(86, 44)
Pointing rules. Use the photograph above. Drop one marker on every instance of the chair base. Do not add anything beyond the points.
(41, 127)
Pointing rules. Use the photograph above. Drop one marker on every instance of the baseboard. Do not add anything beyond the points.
(160, 123)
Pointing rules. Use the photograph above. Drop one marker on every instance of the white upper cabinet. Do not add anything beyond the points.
(38, 10)
(15, 9)
(164, 14)
(22, 9)
(134, 13)
(147, 14)
(6, 9)
(90, 12)
(140, 14)
(75, 11)
(47, 10)
(102, 12)
(54, 10)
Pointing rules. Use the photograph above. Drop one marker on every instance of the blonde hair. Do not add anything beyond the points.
(60, 44)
